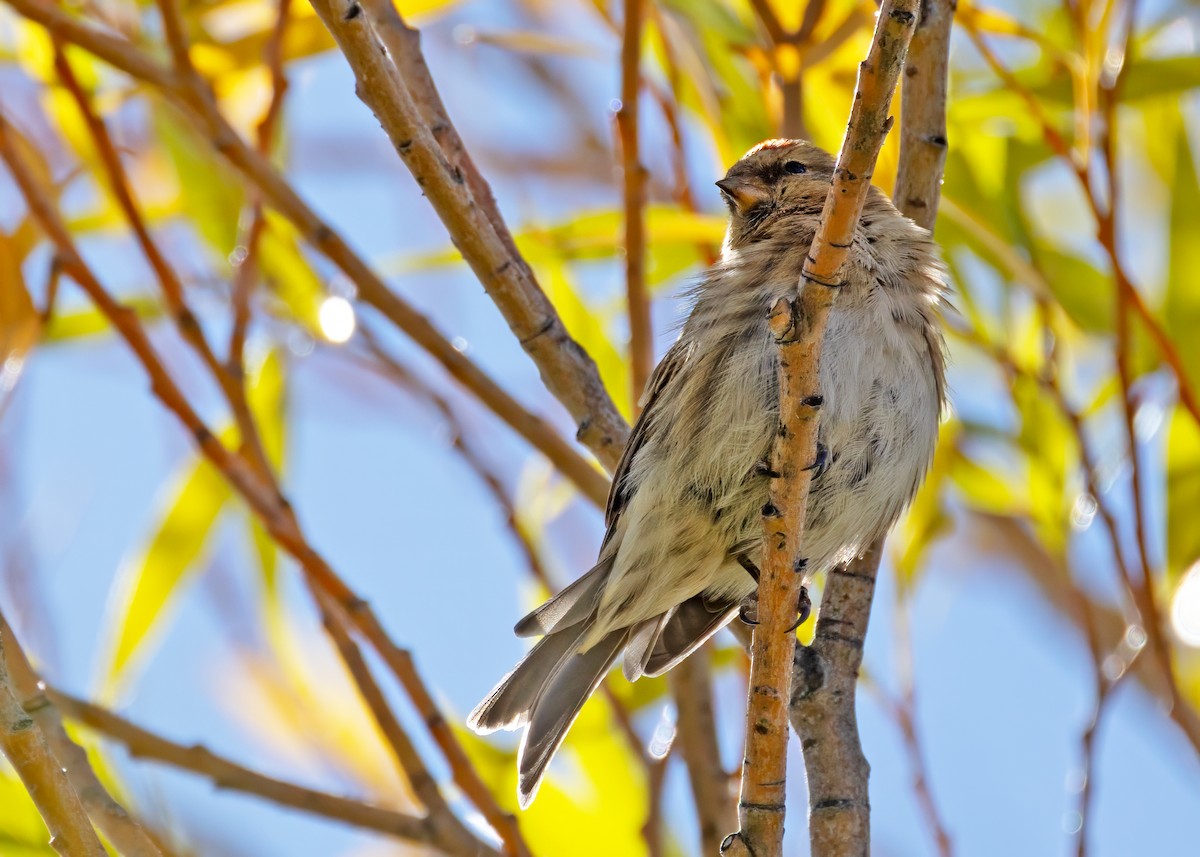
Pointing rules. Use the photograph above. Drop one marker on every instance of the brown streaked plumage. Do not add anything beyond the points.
(683, 516)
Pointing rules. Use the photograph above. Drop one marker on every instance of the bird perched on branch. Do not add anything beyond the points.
(684, 527)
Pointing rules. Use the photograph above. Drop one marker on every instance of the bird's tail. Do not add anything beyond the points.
(546, 690)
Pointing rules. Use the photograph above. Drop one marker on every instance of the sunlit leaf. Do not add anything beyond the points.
(927, 518)
(287, 272)
(592, 803)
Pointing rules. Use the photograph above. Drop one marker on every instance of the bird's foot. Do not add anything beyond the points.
(748, 609)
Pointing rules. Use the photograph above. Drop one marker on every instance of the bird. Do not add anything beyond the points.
(683, 520)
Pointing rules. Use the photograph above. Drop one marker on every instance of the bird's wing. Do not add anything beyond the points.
(664, 372)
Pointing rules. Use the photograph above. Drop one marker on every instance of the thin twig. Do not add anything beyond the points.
(246, 272)
(22, 743)
(1183, 714)
(837, 772)
(641, 334)
(1079, 168)
(225, 774)
(172, 289)
(445, 828)
(1110, 239)
(387, 366)
(904, 711)
(114, 821)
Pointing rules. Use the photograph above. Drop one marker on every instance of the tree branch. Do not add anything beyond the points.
(117, 825)
(444, 826)
(568, 372)
(836, 768)
(923, 142)
(696, 740)
(641, 334)
(22, 743)
(231, 776)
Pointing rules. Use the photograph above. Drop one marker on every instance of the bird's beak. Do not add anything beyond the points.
(744, 193)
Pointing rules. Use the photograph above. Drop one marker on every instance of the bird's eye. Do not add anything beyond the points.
(795, 167)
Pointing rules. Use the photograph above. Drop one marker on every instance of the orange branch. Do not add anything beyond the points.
(641, 334)
(840, 827)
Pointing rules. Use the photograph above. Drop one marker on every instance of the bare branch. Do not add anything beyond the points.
(117, 825)
(445, 828)
(641, 333)
(22, 743)
(836, 770)
(923, 118)
(225, 774)
(696, 740)
(568, 372)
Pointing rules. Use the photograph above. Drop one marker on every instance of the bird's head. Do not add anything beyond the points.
(775, 177)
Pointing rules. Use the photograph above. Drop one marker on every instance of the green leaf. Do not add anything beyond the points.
(89, 321)
(287, 272)
(927, 518)
(1181, 307)
(149, 583)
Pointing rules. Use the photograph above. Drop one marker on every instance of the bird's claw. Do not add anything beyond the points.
(748, 609)
(803, 609)
(822, 462)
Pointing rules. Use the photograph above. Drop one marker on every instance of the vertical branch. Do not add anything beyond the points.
(837, 771)
(923, 116)
(22, 743)
(641, 334)
(696, 740)
(117, 825)
(246, 273)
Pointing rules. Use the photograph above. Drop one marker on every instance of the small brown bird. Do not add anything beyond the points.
(684, 515)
